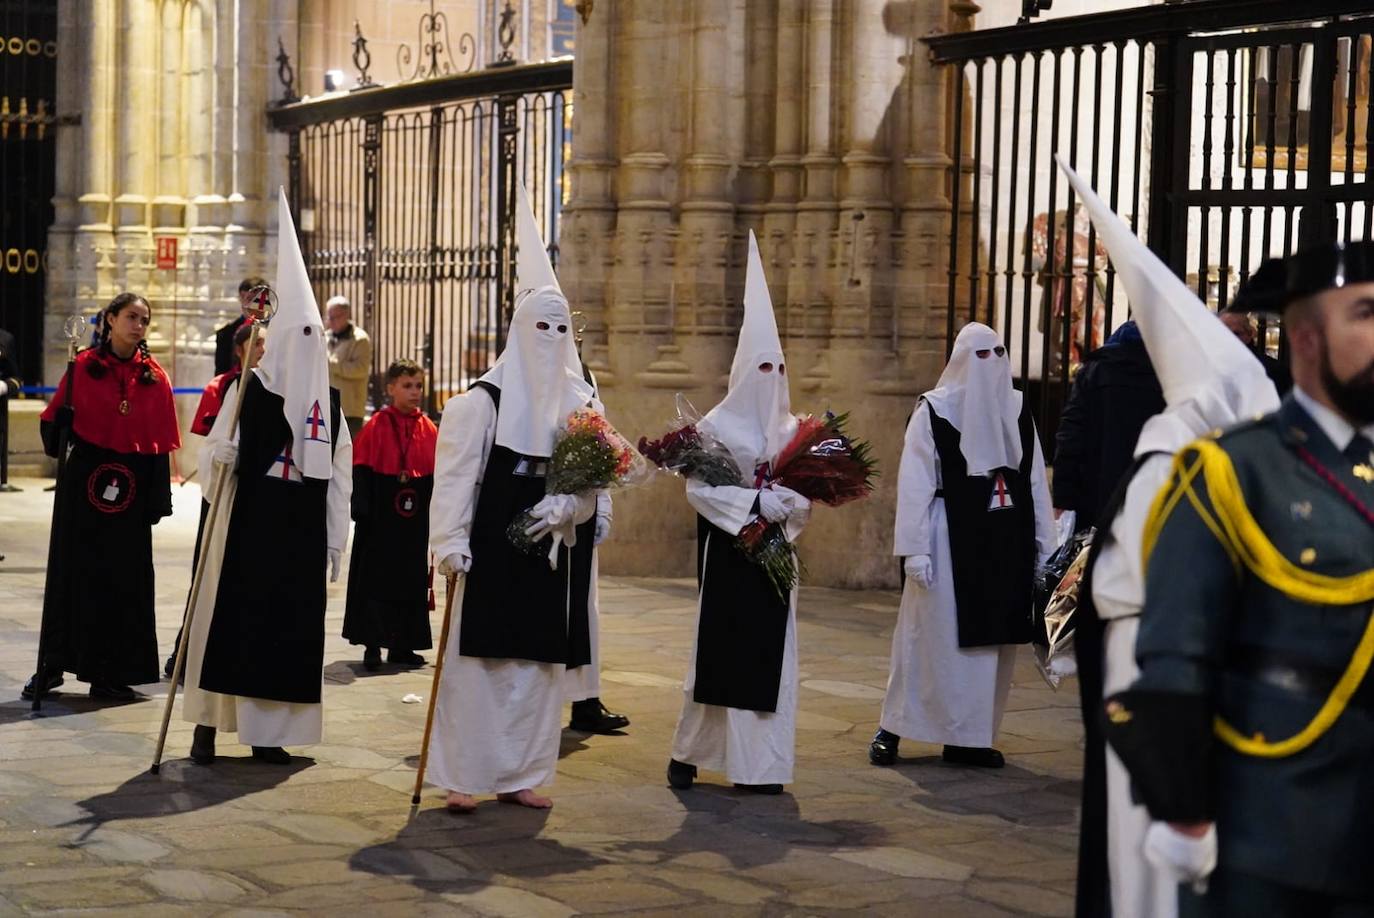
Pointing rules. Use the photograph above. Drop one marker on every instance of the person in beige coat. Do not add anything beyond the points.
(350, 361)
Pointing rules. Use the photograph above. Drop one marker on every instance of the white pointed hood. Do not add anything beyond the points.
(755, 418)
(538, 372)
(295, 366)
(976, 397)
(1210, 380)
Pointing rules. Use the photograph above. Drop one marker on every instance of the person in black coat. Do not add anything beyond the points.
(224, 337)
(1113, 395)
(9, 365)
(1243, 327)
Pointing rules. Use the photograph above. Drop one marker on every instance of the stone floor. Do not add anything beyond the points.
(85, 828)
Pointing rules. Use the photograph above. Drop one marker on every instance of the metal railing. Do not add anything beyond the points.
(1221, 130)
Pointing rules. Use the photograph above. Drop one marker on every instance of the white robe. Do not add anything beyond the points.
(583, 682)
(1138, 888)
(497, 723)
(258, 721)
(937, 691)
(749, 747)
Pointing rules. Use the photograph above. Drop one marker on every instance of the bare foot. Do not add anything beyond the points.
(526, 798)
(461, 803)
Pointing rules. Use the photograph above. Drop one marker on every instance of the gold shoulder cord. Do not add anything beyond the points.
(1245, 543)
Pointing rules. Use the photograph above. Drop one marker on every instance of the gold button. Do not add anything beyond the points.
(1308, 555)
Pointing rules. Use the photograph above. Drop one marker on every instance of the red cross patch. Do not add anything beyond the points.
(1001, 497)
(314, 423)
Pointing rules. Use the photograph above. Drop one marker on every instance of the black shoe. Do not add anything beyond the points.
(769, 789)
(169, 665)
(273, 755)
(883, 749)
(372, 659)
(591, 716)
(108, 691)
(54, 681)
(974, 755)
(203, 745)
(680, 774)
(404, 658)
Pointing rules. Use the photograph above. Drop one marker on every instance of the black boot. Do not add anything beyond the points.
(54, 680)
(203, 745)
(273, 755)
(591, 716)
(769, 789)
(404, 658)
(974, 755)
(680, 774)
(883, 749)
(372, 659)
(169, 665)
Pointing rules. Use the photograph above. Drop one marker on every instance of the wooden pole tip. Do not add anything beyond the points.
(153, 770)
(415, 800)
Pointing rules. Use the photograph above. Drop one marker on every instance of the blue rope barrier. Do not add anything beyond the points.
(49, 390)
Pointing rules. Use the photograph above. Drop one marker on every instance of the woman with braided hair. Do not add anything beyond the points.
(98, 618)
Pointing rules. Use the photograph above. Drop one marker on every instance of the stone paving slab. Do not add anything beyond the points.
(84, 829)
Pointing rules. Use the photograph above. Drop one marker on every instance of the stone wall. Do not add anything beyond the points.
(820, 125)
(172, 140)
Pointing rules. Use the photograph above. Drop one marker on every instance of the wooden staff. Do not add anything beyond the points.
(215, 500)
(434, 689)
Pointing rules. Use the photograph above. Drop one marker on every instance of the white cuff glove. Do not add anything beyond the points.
(795, 503)
(456, 563)
(603, 529)
(1187, 860)
(335, 562)
(919, 569)
(226, 453)
(554, 511)
(4, 388)
(772, 506)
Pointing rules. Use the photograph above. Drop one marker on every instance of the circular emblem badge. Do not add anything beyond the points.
(407, 502)
(111, 488)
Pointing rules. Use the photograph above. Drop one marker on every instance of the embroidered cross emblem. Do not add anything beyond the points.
(1001, 498)
(315, 421)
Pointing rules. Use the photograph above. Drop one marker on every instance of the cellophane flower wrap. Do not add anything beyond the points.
(821, 462)
(588, 455)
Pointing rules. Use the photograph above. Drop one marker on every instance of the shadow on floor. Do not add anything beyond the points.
(1014, 794)
(62, 704)
(497, 839)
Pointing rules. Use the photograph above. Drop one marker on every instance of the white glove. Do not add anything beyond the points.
(335, 562)
(226, 453)
(603, 529)
(795, 502)
(919, 569)
(1185, 859)
(456, 563)
(772, 507)
(1064, 526)
(552, 512)
(4, 388)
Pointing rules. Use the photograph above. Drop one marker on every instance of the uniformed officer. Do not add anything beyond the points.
(1250, 732)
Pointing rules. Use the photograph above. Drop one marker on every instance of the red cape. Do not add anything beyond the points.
(211, 400)
(389, 436)
(102, 382)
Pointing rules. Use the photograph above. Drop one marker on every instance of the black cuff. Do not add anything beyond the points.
(1165, 741)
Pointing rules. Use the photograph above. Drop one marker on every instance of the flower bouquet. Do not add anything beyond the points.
(821, 463)
(588, 455)
(826, 466)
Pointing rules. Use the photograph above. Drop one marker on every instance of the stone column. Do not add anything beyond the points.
(588, 223)
(136, 81)
(785, 165)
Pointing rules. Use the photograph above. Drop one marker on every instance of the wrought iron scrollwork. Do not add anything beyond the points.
(286, 74)
(505, 33)
(435, 58)
(362, 58)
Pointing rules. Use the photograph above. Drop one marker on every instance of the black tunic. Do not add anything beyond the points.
(514, 606)
(991, 539)
(388, 577)
(266, 639)
(98, 615)
(742, 628)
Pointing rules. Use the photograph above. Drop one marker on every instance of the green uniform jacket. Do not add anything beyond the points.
(1252, 706)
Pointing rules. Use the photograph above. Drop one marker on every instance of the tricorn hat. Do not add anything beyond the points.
(1280, 282)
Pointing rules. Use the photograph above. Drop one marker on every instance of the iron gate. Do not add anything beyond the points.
(28, 81)
(404, 201)
(1221, 130)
